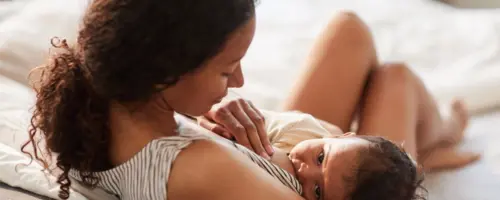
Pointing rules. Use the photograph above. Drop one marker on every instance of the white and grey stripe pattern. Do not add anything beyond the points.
(282, 175)
(145, 176)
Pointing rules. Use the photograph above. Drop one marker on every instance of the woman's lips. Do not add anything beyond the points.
(218, 100)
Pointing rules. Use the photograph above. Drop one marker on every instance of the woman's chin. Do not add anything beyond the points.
(197, 111)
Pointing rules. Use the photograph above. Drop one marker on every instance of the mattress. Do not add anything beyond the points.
(455, 51)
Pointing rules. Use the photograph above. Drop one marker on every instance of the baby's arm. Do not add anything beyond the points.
(334, 130)
(287, 129)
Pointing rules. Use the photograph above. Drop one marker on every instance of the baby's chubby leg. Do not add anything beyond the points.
(398, 107)
(331, 85)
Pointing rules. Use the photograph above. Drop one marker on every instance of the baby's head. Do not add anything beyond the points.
(356, 168)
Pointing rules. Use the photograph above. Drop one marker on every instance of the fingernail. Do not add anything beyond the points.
(270, 149)
(264, 154)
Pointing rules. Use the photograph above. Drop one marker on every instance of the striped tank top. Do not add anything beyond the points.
(145, 176)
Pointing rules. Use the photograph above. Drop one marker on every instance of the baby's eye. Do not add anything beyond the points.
(320, 158)
(317, 191)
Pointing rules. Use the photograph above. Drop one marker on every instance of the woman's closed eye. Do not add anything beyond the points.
(230, 69)
(229, 72)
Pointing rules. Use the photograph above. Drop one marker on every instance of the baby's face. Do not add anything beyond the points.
(322, 165)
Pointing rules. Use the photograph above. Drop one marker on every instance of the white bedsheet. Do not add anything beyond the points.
(455, 51)
(479, 181)
(15, 172)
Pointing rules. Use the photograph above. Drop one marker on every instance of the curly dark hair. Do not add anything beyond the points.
(127, 50)
(385, 171)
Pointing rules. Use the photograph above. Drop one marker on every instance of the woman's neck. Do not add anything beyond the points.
(132, 129)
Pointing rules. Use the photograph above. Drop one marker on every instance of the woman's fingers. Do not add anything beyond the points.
(258, 119)
(245, 123)
(250, 129)
(214, 127)
(225, 117)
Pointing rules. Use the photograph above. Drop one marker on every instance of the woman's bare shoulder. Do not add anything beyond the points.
(208, 170)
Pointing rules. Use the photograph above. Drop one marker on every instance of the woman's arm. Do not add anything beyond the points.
(207, 170)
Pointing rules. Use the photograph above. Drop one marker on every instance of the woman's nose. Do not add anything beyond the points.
(236, 79)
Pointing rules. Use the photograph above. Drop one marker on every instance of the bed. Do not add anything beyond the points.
(456, 52)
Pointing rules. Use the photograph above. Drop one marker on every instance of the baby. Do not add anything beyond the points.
(332, 165)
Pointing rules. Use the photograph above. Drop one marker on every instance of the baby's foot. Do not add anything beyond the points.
(447, 158)
(455, 123)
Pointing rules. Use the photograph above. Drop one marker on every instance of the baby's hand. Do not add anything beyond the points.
(240, 120)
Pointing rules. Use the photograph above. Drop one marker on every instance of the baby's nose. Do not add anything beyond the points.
(304, 172)
(302, 168)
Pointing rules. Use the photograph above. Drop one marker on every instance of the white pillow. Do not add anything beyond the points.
(8, 8)
(15, 101)
(29, 177)
(25, 37)
(24, 44)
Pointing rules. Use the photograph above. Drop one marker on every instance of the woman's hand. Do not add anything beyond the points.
(240, 120)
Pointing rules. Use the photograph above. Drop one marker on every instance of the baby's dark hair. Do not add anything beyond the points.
(386, 172)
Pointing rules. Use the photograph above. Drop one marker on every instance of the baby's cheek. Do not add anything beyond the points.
(308, 198)
(307, 195)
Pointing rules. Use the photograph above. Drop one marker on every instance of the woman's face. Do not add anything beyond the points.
(322, 165)
(197, 92)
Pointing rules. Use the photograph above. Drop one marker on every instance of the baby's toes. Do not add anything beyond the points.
(448, 158)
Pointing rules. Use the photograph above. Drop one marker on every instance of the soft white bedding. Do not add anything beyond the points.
(457, 53)
(28, 177)
(8, 8)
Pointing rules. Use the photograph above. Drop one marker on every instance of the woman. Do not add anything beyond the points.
(136, 63)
